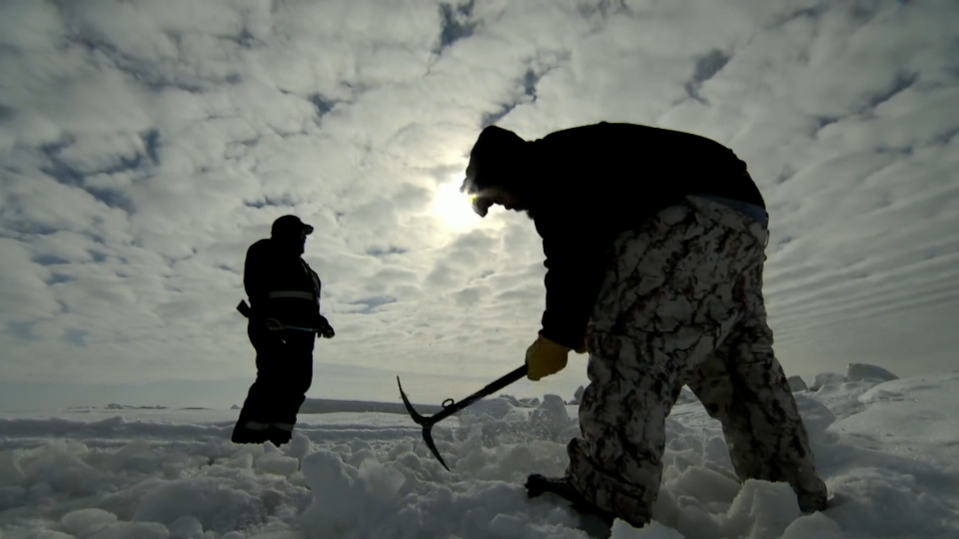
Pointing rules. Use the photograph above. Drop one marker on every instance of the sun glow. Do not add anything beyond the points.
(453, 207)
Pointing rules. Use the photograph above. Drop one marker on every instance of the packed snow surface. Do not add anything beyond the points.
(888, 449)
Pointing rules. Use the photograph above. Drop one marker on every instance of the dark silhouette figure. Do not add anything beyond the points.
(284, 322)
(655, 246)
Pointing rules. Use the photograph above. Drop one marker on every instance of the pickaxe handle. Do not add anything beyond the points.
(492, 387)
(450, 407)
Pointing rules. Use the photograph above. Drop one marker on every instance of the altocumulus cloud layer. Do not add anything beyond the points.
(144, 145)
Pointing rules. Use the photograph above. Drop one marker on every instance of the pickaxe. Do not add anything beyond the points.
(450, 407)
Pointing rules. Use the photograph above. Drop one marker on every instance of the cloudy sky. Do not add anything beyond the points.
(145, 145)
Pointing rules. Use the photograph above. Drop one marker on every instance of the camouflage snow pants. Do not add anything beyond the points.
(682, 304)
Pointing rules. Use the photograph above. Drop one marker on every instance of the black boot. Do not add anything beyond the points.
(242, 435)
(279, 436)
(537, 485)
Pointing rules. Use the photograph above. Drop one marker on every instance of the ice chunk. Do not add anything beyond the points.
(277, 464)
(299, 446)
(762, 509)
(133, 530)
(335, 500)
(826, 378)
(695, 520)
(511, 400)
(186, 527)
(241, 462)
(889, 503)
(864, 371)
(60, 466)
(48, 534)
(497, 408)
(817, 418)
(654, 530)
(383, 480)
(707, 485)
(796, 383)
(550, 420)
(85, 522)
(217, 505)
(816, 525)
(10, 472)
(138, 455)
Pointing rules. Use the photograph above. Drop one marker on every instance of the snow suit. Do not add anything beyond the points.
(285, 288)
(682, 303)
(654, 242)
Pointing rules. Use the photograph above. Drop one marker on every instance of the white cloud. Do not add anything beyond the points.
(144, 146)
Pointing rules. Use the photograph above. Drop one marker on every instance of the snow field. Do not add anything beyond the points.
(888, 449)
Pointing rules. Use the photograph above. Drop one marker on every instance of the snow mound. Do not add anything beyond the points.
(912, 418)
(890, 503)
(382, 499)
(498, 421)
(887, 449)
(215, 504)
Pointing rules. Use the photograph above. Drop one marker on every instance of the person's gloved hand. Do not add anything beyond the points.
(545, 357)
(325, 329)
(273, 324)
(581, 347)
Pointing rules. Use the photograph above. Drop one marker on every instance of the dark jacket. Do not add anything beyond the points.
(594, 182)
(281, 286)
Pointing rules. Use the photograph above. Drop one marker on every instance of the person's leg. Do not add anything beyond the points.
(666, 304)
(297, 377)
(253, 424)
(745, 388)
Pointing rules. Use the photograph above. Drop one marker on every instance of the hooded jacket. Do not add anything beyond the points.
(593, 182)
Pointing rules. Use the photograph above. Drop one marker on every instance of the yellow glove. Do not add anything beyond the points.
(544, 357)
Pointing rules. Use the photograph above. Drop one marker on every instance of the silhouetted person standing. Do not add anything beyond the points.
(284, 321)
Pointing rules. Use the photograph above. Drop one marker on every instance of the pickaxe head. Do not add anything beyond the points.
(426, 422)
(450, 407)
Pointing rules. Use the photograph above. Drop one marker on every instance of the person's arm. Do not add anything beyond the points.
(322, 324)
(576, 259)
(254, 275)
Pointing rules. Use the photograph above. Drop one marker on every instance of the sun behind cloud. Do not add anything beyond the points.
(452, 207)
